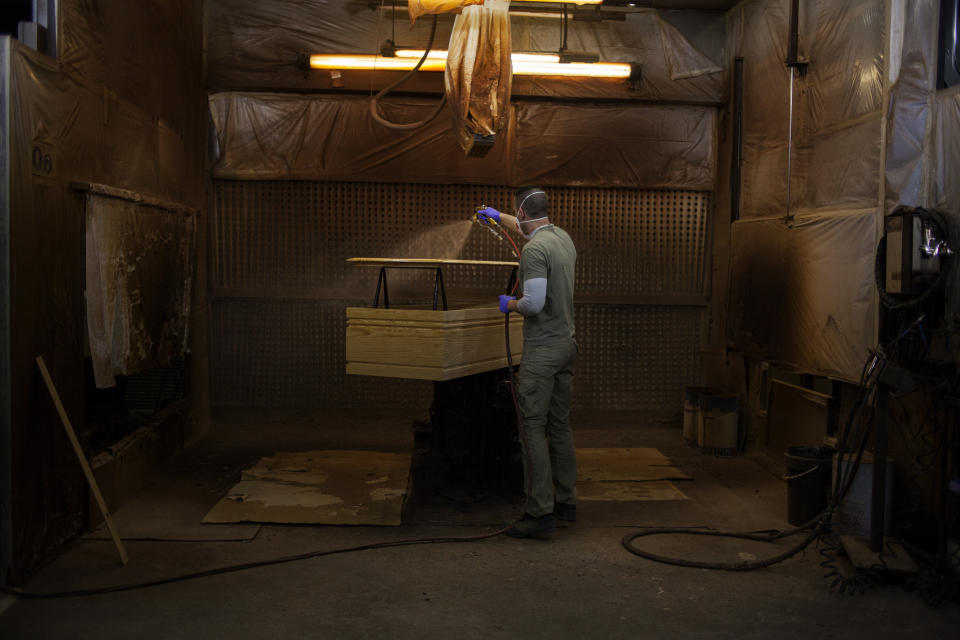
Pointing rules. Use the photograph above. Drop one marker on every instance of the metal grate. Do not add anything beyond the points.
(637, 358)
(291, 353)
(635, 242)
(281, 283)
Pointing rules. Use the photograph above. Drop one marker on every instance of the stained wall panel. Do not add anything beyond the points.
(804, 294)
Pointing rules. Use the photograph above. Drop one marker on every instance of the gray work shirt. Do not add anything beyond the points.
(550, 254)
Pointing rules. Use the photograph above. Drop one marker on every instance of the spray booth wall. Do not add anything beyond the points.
(869, 134)
(281, 284)
(305, 181)
(122, 106)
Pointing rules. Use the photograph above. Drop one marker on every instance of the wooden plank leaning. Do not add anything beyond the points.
(82, 458)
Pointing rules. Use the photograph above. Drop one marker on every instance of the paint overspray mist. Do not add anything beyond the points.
(436, 242)
(443, 242)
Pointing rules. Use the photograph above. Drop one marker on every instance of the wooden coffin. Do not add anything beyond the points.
(429, 345)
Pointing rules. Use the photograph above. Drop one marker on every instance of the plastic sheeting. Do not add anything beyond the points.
(947, 151)
(673, 68)
(478, 73)
(271, 137)
(923, 131)
(275, 137)
(615, 145)
(138, 282)
(127, 48)
(837, 105)
(253, 45)
(804, 294)
(913, 53)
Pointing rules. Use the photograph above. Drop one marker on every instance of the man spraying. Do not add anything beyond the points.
(545, 379)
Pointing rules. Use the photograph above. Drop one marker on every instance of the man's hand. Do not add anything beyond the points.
(486, 214)
(505, 303)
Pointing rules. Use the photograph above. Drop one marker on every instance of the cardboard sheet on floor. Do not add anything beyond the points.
(634, 474)
(319, 487)
(633, 464)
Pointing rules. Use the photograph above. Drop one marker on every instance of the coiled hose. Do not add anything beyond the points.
(406, 126)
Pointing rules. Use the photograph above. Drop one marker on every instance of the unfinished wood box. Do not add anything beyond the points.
(429, 345)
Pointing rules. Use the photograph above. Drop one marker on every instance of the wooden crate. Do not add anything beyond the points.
(429, 345)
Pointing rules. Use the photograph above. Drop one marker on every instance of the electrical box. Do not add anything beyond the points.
(909, 265)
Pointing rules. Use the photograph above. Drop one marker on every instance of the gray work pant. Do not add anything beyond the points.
(544, 390)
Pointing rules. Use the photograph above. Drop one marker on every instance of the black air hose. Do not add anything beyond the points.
(374, 102)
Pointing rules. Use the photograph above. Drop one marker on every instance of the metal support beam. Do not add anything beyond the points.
(6, 486)
(46, 13)
(736, 160)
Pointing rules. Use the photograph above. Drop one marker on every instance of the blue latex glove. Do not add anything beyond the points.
(504, 301)
(485, 214)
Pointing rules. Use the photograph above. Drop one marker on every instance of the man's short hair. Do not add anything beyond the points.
(532, 200)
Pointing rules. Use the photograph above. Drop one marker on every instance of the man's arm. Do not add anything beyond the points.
(533, 299)
(500, 218)
(508, 221)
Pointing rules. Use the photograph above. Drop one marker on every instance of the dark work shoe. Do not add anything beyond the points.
(565, 512)
(531, 527)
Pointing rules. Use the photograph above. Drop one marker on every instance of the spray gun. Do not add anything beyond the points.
(492, 225)
(488, 223)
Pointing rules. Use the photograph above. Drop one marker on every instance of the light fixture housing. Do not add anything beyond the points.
(567, 56)
(524, 64)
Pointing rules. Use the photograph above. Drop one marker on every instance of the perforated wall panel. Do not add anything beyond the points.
(637, 357)
(291, 353)
(633, 242)
(281, 282)
(293, 238)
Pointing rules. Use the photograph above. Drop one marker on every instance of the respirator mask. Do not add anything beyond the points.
(519, 210)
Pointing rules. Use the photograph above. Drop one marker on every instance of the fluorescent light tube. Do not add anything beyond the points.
(524, 64)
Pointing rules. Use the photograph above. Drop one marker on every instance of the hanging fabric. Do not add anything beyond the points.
(478, 73)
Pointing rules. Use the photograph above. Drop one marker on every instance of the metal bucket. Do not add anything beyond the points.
(691, 409)
(718, 424)
(808, 482)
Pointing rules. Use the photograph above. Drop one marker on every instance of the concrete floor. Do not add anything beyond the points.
(580, 584)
